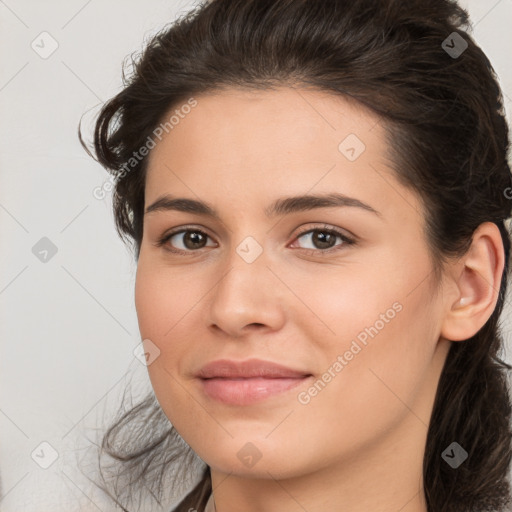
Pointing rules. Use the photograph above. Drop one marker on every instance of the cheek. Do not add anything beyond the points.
(376, 330)
(163, 300)
(168, 315)
(345, 302)
(159, 310)
(378, 380)
(148, 303)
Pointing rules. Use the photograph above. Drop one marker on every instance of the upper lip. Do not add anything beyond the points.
(225, 368)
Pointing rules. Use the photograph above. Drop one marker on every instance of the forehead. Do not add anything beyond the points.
(270, 120)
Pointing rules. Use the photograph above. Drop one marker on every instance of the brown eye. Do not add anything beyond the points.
(185, 240)
(323, 239)
(194, 239)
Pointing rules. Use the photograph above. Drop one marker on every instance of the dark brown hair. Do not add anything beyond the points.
(448, 138)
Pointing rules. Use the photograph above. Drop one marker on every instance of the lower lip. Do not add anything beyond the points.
(247, 391)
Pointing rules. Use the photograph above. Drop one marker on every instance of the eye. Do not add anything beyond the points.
(323, 240)
(186, 240)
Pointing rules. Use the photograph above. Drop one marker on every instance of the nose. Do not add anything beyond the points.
(247, 297)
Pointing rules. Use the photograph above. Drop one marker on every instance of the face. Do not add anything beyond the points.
(338, 288)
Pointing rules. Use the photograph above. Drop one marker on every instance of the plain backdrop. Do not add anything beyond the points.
(68, 325)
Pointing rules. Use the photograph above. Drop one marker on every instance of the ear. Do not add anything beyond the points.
(475, 282)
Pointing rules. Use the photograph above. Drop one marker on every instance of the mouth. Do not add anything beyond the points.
(246, 391)
(247, 382)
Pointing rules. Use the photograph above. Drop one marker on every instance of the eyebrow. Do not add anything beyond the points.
(282, 206)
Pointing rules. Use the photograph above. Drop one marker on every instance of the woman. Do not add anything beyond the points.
(316, 193)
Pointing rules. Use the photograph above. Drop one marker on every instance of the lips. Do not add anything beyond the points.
(247, 382)
(251, 368)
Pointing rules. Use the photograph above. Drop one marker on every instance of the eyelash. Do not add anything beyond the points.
(326, 229)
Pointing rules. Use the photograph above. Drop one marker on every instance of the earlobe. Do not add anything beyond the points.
(477, 279)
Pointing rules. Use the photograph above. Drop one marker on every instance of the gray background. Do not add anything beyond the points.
(68, 326)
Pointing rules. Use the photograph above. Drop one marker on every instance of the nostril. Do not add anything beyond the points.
(255, 324)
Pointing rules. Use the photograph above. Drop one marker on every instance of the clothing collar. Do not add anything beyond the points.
(210, 505)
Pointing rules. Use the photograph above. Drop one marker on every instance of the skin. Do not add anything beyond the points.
(358, 444)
